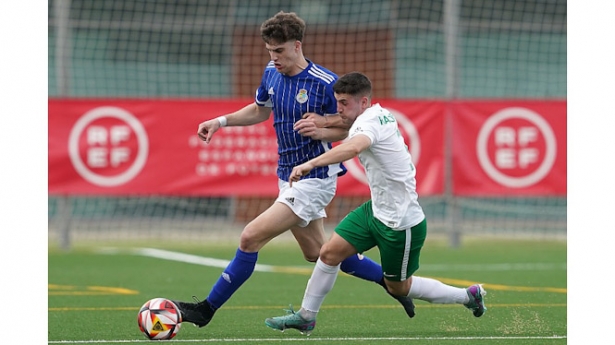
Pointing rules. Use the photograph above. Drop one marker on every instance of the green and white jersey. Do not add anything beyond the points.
(389, 168)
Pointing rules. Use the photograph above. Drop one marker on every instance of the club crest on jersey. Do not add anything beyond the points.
(302, 96)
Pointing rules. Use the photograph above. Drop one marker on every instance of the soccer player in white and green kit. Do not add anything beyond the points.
(392, 220)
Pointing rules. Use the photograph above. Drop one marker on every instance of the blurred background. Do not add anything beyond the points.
(468, 59)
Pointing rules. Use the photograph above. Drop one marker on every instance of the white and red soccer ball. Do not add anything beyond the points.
(159, 319)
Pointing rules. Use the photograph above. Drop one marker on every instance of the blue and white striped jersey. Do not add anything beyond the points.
(290, 98)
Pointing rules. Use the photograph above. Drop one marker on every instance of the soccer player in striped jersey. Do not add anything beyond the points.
(291, 87)
(392, 220)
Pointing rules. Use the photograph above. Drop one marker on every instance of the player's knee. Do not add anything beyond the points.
(330, 257)
(250, 241)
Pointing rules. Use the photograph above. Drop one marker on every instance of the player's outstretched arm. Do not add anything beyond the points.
(249, 115)
(319, 127)
(308, 128)
(327, 121)
(338, 154)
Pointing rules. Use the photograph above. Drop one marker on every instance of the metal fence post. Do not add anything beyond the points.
(61, 11)
(451, 49)
(61, 14)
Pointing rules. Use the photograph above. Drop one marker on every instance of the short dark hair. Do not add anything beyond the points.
(283, 27)
(354, 84)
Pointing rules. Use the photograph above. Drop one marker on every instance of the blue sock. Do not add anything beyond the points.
(235, 274)
(363, 267)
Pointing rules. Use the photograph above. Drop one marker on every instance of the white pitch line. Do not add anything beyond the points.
(193, 259)
(349, 339)
(212, 262)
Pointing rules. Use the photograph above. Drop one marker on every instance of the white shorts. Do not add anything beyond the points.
(308, 197)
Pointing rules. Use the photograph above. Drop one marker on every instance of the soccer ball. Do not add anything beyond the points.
(159, 319)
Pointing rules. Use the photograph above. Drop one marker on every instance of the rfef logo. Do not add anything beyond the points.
(108, 146)
(516, 147)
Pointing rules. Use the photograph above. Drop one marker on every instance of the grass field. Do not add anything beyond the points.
(96, 291)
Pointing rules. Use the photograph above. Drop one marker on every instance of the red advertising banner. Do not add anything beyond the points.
(150, 147)
(509, 148)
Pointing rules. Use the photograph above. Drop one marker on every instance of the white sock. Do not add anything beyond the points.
(434, 291)
(321, 282)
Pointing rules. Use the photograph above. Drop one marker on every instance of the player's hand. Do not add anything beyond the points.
(207, 129)
(299, 171)
(308, 128)
(319, 120)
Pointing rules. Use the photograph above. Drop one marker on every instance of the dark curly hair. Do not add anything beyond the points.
(283, 27)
